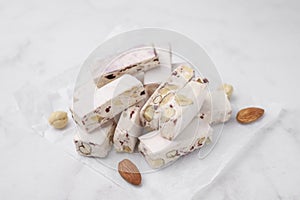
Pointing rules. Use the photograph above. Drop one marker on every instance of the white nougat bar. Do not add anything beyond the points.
(96, 143)
(181, 107)
(128, 130)
(178, 79)
(129, 62)
(108, 101)
(129, 126)
(216, 108)
(159, 151)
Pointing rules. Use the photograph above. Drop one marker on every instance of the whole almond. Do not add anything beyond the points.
(129, 172)
(248, 115)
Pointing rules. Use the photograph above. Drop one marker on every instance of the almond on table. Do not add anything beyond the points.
(129, 172)
(249, 115)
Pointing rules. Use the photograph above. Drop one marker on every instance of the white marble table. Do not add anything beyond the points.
(255, 44)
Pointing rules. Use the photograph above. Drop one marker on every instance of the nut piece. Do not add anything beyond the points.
(199, 80)
(172, 154)
(129, 172)
(167, 114)
(248, 115)
(84, 148)
(58, 119)
(157, 99)
(200, 141)
(150, 88)
(183, 100)
(163, 91)
(97, 118)
(148, 113)
(208, 141)
(127, 149)
(188, 72)
(228, 89)
(169, 86)
(167, 99)
(157, 163)
(117, 102)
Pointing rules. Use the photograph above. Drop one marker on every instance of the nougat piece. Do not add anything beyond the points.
(107, 101)
(160, 73)
(177, 64)
(129, 62)
(129, 126)
(178, 79)
(179, 108)
(216, 107)
(159, 151)
(139, 76)
(128, 130)
(96, 143)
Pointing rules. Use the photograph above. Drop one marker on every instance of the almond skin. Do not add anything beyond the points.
(248, 115)
(150, 88)
(129, 172)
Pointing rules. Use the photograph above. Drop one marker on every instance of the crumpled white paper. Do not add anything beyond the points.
(185, 177)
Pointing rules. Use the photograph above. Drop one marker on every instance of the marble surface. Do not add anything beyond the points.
(255, 45)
